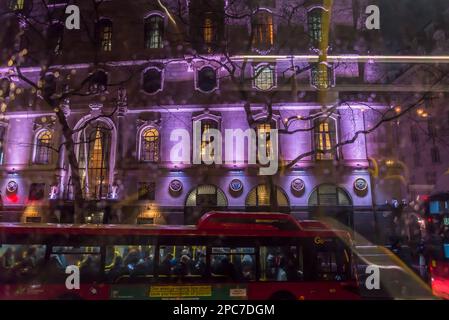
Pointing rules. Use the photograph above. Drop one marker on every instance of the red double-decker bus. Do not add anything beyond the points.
(225, 256)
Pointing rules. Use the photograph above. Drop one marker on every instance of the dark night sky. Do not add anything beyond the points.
(408, 17)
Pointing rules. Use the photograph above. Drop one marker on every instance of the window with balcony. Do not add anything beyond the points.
(264, 77)
(263, 31)
(149, 148)
(104, 29)
(94, 157)
(154, 32)
(42, 154)
(325, 138)
(314, 22)
(152, 81)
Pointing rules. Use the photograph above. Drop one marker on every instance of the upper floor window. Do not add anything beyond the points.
(154, 32)
(263, 30)
(207, 79)
(105, 34)
(325, 138)
(207, 151)
(435, 154)
(98, 82)
(209, 31)
(264, 132)
(315, 18)
(149, 147)
(152, 81)
(264, 77)
(322, 76)
(42, 152)
(54, 37)
(16, 4)
(5, 85)
(2, 143)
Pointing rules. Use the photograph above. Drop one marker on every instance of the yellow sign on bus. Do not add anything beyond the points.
(180, 291)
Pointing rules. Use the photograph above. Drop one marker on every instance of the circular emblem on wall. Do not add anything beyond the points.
(360, 185)
(175, 186)
(236, 185)
(298, 185)
(12, 187)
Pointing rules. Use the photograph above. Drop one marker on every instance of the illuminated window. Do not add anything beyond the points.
(263, 31)
(322, 76)
(205, 126)
(2, 143)
(154, 32)
(315, 18)
(55, 36)
(16, 4)
(105, 34)
(207, 79)
(260, 197)
(209, 31)
(264, 77)
(43, 147)
(329, 195)
(94, 151)
(264, 132)
(149, 149)
(325, 138)
(152, 80)
(5, 86)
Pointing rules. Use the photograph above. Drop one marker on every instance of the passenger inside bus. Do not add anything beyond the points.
(20, 262)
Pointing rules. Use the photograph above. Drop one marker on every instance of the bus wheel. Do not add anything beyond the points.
(283, 295)
(69, 296)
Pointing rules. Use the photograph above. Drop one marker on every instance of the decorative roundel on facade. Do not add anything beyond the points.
(298, 185)
(360, 184)
(236, 185)
(12, 186)
(175, 186)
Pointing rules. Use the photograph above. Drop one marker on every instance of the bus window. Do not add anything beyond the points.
(86, 258)
(332, 260)
(281, 264)
(129, 261)
(20, 262)
(182, 261)
(237, 264)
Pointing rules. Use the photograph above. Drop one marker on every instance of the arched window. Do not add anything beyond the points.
(98, 82)
(94, 157)
(154, 31)
(152, 81)
(42, 154)
(207, 79)
(264, 77)
(329, 195)
(206, 196)
(104, 30)
(260, 197)
(325, 138)
(54, 37)
(315, 18)
(5, 85)
(149, 145)
(263, 30)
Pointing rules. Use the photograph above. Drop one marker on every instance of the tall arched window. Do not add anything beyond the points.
(42, 154)
(207, 124)
(149, 145)
(315, 18)
(104, 29)
(329, 195)
(263, 30)
(325, 138)
(154, 31)
(94, 157)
